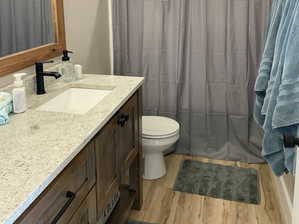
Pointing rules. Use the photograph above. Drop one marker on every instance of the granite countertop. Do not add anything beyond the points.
(36, 145)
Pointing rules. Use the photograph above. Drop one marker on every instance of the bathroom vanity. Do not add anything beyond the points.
(63, 167)
(75, 155)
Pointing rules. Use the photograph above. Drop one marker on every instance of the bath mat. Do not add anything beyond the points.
(217, 181)
(137, 222)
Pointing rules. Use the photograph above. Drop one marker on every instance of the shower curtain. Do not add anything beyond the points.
(25, 24)
(200, 59)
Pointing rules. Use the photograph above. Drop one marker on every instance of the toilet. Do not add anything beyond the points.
(159, 134)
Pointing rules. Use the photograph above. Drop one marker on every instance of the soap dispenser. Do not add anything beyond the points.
(67, 69)
(19, 94)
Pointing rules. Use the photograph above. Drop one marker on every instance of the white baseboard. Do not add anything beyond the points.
(284, 199)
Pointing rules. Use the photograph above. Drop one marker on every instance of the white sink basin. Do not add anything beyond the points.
(75, 101)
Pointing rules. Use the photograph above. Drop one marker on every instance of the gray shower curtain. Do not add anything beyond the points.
(200, 59)
(25, 24)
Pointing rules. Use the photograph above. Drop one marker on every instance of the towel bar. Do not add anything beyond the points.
(290, 141)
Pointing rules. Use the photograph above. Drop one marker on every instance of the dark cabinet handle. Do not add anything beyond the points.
(71, 196)
(126, 117)
(122, 120)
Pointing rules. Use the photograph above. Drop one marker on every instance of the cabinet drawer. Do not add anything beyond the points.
(63, 197)
(87, 212)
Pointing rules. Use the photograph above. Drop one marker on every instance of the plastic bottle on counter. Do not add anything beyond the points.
(78, 72)
(19, 94)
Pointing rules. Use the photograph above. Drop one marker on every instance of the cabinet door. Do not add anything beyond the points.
(107, 168)
(86, 214)
(128, 119)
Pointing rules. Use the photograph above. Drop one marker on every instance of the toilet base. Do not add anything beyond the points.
(155, 167)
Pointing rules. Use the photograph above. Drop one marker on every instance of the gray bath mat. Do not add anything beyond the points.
(217, 181)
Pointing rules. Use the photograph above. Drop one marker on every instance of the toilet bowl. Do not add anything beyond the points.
(159, 134)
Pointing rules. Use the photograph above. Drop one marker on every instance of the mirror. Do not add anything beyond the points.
(25, 24)
(30, 31)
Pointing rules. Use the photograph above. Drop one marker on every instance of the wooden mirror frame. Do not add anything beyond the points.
(23, 59)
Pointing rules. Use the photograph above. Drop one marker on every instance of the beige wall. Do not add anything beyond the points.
(87, 30)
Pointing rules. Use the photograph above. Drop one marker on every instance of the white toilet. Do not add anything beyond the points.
(158, 135)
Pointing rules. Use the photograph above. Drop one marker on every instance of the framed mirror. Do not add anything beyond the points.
(30, 31)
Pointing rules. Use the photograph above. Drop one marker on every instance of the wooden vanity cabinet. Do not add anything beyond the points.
(130, 147)
(118, 154)
(111, 163)
(62, 198)
(128, 131)
(87, 213)
(106, 143)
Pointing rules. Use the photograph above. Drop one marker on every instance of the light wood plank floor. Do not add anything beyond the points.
(162, 205)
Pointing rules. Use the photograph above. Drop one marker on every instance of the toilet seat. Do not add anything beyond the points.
(159, 136)
(155, 127)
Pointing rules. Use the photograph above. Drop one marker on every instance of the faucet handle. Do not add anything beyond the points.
(39, 66)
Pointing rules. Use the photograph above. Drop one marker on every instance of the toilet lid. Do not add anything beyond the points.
(154, 126)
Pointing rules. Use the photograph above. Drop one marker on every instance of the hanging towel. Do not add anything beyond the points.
(5, 107)
(277, 86)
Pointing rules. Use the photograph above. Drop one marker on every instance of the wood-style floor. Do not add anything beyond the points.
(162, 205)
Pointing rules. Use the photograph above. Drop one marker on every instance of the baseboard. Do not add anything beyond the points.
(285, 202)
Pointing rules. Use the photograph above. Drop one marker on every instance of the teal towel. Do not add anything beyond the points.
(5, 107)
(277, 101)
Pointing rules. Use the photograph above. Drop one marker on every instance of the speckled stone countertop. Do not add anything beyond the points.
(36, 145)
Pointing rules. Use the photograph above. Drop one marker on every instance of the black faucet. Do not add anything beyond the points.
(40, 73)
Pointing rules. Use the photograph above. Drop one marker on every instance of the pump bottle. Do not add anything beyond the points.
(19, 94)
(67, 69)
